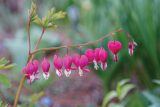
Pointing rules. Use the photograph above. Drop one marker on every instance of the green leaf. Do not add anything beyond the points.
(156, 81)
(120, 85)
(48, 21)
(109, 97)
(152, 98)
(124, 90)
(3, 64)
(5, 81)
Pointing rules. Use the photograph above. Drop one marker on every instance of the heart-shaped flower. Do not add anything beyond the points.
(58, 63)
(45, 68)
(103, 58)
(67, 62)
(31, 71)
(115, 47)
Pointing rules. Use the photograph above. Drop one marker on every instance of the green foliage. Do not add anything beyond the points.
(154, 100)
(122, 89)
(111, 95)
(4, 64)
(3, 105)
(47, 21)
(32, 12)
(5, 81)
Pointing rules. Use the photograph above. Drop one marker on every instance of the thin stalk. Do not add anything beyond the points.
(84, 44)
(36, 47)
(29, 39)
(19, 91)
(21, 84)
(30, 57)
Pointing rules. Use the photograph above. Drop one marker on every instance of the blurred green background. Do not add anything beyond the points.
(87, 20)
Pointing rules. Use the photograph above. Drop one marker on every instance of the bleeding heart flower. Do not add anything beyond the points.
(36, 64)
(31, 71)
(103, 57)
(96, 58)
(115, 47)
(83, 61)
(80, 62)
(90, 54)
(45, 68)
(67, 62)
(75, 59)
(58, 63)
(131, 46)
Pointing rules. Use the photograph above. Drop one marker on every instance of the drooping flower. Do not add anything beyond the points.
(45, 68)
(75, 59)
(58, 63)
(35, 64)
(67, 62)
(96, 57)
(115, 47)
(90, 54)
(31, 71)
(131, 47)
(81, 62)
(103, 57)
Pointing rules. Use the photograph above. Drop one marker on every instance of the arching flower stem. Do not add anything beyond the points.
(84, 44)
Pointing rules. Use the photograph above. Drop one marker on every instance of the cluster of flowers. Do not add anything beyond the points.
(75, 62)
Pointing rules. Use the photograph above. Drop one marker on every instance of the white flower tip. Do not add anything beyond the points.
(80, 72)
(103, 66)
(135, 43)
(59, 73)
(32, 77)
(130, 52)
(95, 64)
(67, 73)
(46, 76)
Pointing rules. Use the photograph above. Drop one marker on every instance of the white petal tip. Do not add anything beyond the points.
(67, 73)
(46, 76)
(59, 73)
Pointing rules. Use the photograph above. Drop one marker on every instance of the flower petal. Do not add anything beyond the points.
(46, 75)
(67, 73)
(95, 64)
(59, 72)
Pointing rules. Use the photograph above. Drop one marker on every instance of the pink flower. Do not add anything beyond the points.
(75, 59)
(58, 63)
(35, 64)
(103, 57)
(99, 55)
(45, 68)
(115, 47)
(67, 62)
(90, 54)
(96, 58)
(31, 71)
(81, 62)
(131, 46)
